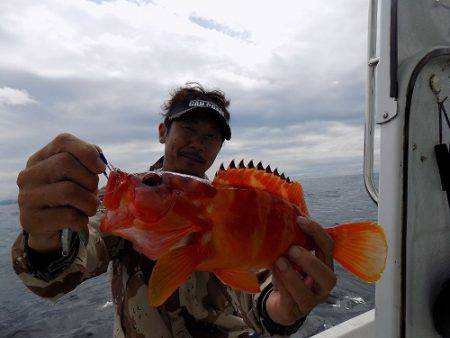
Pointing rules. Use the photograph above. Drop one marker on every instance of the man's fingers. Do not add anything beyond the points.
(58, 189)
(327, 259)
(100, 151)
(309, 282)
(86, 153)
(305, 278)
(54, 220)
(64, 166)
(295, 286)
(323, 241)
(322, 275)
(58, 194)
(278, 285)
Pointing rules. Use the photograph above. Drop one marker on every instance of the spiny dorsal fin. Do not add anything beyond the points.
(261, 178)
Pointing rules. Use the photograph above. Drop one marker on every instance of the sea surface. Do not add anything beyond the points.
(88, 312)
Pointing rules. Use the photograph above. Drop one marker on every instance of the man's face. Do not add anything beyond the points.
(191, 144)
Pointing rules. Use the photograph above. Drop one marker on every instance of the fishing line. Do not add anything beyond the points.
(110, 167)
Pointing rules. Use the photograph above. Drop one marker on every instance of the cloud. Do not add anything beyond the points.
(14, 97)
(211, 24)
(102, 69)
(301, 150)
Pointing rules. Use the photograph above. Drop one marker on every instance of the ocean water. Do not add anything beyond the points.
(87, 311)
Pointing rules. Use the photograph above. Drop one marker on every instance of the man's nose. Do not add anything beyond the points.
(198, 142)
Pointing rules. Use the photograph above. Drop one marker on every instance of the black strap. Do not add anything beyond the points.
(442, 153)
(48, 266)
(270, 325)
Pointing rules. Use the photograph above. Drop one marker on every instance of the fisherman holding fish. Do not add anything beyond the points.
(58, 189)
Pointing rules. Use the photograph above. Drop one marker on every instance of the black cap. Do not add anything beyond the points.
(210, 106)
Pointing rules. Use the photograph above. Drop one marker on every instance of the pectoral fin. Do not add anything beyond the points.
(239, 279)
(152, 242)
(171, 270)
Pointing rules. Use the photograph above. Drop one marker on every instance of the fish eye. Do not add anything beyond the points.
(152, 179)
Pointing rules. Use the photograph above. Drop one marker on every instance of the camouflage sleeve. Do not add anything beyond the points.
(251, 308)
(54, 279)
(246, 304)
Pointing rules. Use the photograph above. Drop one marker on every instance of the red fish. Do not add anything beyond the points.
(234, 226)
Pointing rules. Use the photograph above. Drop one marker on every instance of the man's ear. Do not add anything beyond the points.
(162, 131)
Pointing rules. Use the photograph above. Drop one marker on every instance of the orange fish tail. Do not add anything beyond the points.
(361, 248)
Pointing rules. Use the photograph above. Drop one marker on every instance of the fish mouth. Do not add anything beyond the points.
(192, 156)
(152, 179)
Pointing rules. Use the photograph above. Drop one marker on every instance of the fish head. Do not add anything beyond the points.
(118, 183)
(162, 192)
(153, 198)
(187, 185)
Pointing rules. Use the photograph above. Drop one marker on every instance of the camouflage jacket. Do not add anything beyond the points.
(201, 307)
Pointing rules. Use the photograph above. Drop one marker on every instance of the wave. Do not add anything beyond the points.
(8, 202)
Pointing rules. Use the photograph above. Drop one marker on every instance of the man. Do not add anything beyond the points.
(58, 189)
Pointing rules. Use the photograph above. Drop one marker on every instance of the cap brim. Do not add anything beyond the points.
(224, 123)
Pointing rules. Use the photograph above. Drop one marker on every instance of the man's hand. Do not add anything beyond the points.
(58, 189)
(302, 280)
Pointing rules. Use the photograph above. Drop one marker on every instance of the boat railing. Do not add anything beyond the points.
(369, 129)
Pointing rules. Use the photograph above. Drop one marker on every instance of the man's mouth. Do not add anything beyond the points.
(193, 156)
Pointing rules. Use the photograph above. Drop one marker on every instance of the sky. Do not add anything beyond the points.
(294, 72)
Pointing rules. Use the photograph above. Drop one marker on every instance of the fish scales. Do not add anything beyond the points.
(260, 219)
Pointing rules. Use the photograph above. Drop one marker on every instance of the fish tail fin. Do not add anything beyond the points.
(361, 248)
(171, 270)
